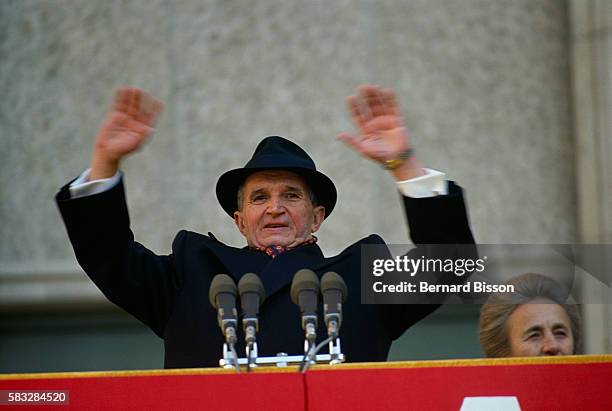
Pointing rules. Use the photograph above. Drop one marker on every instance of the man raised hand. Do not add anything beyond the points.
(124, 130)
(382, 134)
(277, 200)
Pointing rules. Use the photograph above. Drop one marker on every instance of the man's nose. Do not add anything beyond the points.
(551, 346)
(275, 206)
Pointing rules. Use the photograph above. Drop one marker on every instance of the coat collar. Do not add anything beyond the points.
(274, 273)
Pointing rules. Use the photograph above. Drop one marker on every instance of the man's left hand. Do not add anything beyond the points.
(382, 135)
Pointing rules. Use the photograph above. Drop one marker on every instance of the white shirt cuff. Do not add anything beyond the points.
(81, 187)
(432, 184)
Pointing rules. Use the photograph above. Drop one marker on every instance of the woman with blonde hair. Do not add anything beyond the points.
(533, 320)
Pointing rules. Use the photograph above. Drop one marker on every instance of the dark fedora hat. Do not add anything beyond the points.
(277, 153)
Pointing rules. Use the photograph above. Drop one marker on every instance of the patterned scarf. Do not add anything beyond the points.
(276, 250)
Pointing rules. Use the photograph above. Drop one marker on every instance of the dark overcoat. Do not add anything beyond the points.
(170, 293)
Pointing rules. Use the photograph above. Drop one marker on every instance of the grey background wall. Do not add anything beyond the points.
(484, 85)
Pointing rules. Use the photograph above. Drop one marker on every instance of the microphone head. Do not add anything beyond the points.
(222, 283)
(250, 283)
(304, 279)
(333, 281)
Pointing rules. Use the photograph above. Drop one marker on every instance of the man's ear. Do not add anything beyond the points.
(239, 221)
(318, 216)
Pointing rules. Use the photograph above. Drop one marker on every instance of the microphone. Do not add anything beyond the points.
(222, 296)
(334, 293)
(305, 293)
(252, 295)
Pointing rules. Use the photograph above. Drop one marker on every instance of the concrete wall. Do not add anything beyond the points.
(591, 46)
(484, 86)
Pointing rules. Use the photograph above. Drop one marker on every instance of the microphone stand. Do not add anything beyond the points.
(310, 340)
(334, 342)
(251, 346)
(230, 357)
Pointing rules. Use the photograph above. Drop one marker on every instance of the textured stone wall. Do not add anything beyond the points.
(591, 45)
(484, 87)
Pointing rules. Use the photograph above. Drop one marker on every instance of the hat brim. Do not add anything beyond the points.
(229, 183)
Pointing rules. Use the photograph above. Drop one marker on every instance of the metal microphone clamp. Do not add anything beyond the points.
(229, 358)
(335, 352)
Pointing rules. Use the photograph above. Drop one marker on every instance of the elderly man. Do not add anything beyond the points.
(278, 200)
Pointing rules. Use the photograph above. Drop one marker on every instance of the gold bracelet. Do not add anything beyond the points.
(396, 162)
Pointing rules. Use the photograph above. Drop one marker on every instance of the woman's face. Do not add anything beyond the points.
(540, 328)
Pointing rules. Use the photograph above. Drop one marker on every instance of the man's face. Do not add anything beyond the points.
(540, 328)
(277, 210)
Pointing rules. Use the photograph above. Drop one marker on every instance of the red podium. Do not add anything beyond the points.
(552, 383)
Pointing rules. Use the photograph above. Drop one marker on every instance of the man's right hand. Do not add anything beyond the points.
(124, 130)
